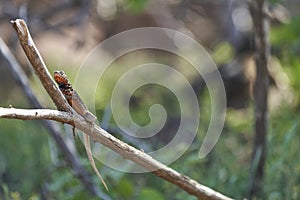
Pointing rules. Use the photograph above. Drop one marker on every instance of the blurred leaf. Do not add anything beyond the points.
(125, 188)
(149, 194)
(136, 5)
(287, 33)
(223, 53)
(34, 197)
(15, 196)
(6, 191)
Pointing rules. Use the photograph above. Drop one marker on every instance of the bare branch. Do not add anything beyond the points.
(69, 156)
(101, 136)
(94, 131)
(36, 114)
(38, 64)
(41, 70)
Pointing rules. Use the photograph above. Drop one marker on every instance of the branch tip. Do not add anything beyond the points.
(20, 26)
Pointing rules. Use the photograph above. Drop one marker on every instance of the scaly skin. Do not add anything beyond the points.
(77, 104)
(72, 96)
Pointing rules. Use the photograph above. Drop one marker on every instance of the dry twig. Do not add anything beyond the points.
(95, 132)
(71, 160)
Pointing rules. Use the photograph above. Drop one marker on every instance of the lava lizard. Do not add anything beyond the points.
(77, 104)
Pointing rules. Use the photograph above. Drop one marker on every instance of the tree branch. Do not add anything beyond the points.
(94, 131)
(38, 65)
(71, 159)
(36, 114)
(101, 136)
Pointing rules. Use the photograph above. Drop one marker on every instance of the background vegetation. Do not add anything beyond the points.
(31, 167)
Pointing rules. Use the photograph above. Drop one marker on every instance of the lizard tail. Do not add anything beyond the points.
(87, 145)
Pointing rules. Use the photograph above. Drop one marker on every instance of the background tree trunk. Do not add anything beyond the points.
(262, 51)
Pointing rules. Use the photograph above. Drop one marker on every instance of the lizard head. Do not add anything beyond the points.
(61, 78)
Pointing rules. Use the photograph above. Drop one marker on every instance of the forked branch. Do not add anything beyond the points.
(95, 132)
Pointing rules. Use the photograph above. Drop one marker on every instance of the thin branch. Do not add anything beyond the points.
(41, 70)
(101, 136)
(36, 114)
(71, 159)
(97, 133)
(38, 65)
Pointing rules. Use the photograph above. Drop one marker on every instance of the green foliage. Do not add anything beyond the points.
(283, 172)
(125, 188)
(223, 53)
(136, 6)
(282, 164)
(25, 153)
(286, 44)
(19, 159)
(227, 167)
(64, 186)
(287, 34)
(149, 194)
(26, 168)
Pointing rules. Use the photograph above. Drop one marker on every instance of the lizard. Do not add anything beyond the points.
(77, 104)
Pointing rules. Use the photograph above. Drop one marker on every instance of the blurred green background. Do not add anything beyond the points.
(31, 166)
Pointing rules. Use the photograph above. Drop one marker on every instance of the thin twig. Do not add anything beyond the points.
(71, 160)
(41, 70)
(38, 65)
(36, 114)
(97, 133)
